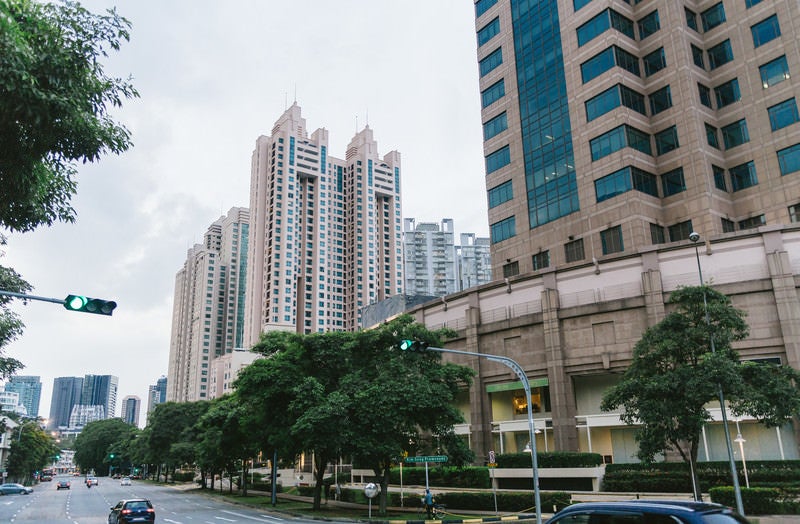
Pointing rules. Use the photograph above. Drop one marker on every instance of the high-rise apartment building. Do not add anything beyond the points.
(208, 309)
(429, 255)
(611, 126)
(66, 394)
(30, 391)
(325, 235)
(131, 406)
(474, 261)
(100, 390)
(156, 393)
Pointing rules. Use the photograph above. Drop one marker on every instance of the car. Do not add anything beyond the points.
(12, 489)
(46, 478)
(92, 480)
(62, 484)
(125, 481)
(647, 512)
(132, 510)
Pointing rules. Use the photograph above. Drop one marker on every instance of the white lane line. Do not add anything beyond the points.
(173, 521)
(226, 520)
(242, 515)
(278, 519)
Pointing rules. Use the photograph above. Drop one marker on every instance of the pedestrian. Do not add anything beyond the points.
(428, 499)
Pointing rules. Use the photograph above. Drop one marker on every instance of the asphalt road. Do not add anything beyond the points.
(81, 505)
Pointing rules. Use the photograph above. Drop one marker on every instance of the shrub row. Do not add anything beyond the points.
(467, 477)
(756, 501)
(551, 459)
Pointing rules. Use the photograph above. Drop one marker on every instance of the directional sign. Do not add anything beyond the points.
(429, 458)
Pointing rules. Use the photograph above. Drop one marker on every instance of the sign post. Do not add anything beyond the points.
(492, 464)
(426, 459)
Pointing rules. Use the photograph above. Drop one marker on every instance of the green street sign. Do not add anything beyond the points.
(428, 458)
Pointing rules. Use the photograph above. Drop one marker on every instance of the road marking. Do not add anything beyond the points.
(242, 515)
(273, 518)
(223, 518)
(173, 521)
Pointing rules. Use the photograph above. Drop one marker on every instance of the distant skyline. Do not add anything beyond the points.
(213, 77)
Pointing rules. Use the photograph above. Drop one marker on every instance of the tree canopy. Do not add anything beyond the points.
(98, 440)
(674, 377)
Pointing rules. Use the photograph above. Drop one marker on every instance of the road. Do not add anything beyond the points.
(81, 505)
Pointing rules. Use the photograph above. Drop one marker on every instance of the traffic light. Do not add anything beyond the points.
(413, 345)
(98, 306)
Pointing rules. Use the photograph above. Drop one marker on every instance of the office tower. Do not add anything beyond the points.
(610, 127)
(82, 414)
(208, 308)
(66, 394)
(429, 256)
(474, 261)
(100, 390)
(30, 391)
(156, 393)
(325, 236)
(130, 409)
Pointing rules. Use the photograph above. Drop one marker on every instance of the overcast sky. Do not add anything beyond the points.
(213, 76)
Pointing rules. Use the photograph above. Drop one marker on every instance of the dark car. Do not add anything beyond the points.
(647, 512)
(132, 510)
(12, 489)
(62, 484)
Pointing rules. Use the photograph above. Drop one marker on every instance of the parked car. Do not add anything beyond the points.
(125, 481)
(132, 510)
(647, 512)
(62, 484)
(12, 489)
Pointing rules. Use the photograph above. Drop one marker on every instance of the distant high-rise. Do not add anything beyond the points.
(100, 390)
(29, 389)
(429, 257)
(325, 235)
(66, 394)
(474, 260)
(131, 406)
(612, 127)
(156, 393)
(209, 305)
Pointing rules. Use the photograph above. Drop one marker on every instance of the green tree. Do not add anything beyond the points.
(171, 434)
(31, 450)
(337, 394)
(10, 324)
(54, 102)
(98, 440)
(675, 356)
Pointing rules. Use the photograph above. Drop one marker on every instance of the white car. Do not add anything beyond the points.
(126, 481)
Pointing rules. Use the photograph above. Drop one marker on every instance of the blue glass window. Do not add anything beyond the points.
(697, 56)
(743, 176)
(774, 72)
(789, 159)
(495, 126)
(648, 25)
(492, 61)
(481, 6)
(605, 60)
(654, 62)
(766, 30)
(666, 140)
(691, 19)
(498, 159)
(735, 134)
(672, 182)
(713, 16)
(783, 114)
(503, 230)
(618, 138)
(727, 93)
(578, 4)
(499, 194)
(727, 225)
(719, 178)
(660, 100)
(493, 93)
(720, 54)
(601, 23)
(680, 231)
(712, 136)
(624, 180)
(611, 240)
(705, 95)
(752, 222)
(750, 3)
(489, 31)
(612, 98)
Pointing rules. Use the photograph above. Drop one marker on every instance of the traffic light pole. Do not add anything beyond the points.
(80, 303)
(527, 386)
(32, 297)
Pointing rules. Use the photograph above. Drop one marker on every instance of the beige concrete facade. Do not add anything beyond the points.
(572, 330)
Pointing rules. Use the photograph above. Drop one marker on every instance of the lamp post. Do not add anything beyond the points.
(740, 440)
(737, 491)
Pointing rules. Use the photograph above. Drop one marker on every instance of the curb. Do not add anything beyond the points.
(459, 521)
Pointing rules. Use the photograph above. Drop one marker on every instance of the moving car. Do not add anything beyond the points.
(62, 484)
(126, 481)
(11, 489)
(92, 480)
(132, 510)
(647, 512)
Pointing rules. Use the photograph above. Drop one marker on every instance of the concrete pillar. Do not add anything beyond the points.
(480, 407)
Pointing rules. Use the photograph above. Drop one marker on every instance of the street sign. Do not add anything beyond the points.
(428, 458)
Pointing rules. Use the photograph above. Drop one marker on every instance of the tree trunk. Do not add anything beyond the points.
(383, 496)
(320, 461)
(244, 478)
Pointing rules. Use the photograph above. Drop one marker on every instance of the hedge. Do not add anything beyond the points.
(467, 477)
(551, 459)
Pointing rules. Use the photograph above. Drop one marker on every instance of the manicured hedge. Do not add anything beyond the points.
(467, 477)
(756, 501)
(551, 459)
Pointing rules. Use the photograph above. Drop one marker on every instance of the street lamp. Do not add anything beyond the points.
(740, 440)
(737, 491)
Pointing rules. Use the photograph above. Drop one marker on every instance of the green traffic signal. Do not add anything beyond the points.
(98, 306)
(413, 345)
